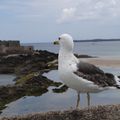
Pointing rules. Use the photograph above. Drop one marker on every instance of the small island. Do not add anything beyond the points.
(98, 40)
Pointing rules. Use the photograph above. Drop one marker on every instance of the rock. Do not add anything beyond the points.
(62, 89)
(84, 56)
(22, 64)
(53, 64)
(107, 112)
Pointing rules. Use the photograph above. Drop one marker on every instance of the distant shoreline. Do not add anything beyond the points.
(98, 40)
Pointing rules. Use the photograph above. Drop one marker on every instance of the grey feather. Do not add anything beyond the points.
(95, 74)
(88, 68)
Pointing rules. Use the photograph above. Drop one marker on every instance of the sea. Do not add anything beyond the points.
(51, 101)
(99, 49)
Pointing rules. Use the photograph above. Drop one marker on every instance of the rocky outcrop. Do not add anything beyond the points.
(26, 62)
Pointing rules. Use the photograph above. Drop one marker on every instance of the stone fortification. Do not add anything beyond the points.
(14, 47)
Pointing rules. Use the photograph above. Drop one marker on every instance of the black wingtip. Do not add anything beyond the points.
(117, 86)
(118, 76)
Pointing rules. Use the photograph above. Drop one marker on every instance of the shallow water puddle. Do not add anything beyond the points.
(7, 79)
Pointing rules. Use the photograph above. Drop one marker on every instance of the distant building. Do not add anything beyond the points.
(14, 47)
(10, 43)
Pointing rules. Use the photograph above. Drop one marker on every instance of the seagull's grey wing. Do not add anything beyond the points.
(96, 75)
(88, 68)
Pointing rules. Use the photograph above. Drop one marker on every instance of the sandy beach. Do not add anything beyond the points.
(104, 62)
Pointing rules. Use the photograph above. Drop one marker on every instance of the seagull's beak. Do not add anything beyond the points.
(56, 42)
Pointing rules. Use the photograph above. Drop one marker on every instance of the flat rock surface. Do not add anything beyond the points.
(107, 112)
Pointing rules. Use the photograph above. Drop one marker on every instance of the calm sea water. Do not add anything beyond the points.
(89, 48)
(7, 79)
(60, 101)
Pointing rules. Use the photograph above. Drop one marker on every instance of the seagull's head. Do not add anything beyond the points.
(65, 41)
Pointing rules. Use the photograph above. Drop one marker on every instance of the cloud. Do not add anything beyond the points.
(68, 14)
(66, 10)
(91, 10)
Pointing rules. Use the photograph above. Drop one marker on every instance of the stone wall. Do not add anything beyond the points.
(9, 43)
(14, 47)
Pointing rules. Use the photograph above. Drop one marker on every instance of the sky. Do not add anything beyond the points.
(44, 20)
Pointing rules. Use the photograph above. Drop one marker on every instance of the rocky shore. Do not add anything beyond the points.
(29, 81)
(24, 63)
(107, 112)
(29, 69)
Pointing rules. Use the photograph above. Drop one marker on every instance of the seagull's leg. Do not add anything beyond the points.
(88, 99)
(78, 100)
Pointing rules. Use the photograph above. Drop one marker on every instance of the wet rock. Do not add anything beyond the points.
(84, 56)
(31, 86)
(62, 89)
(29, 81)
(22, 64)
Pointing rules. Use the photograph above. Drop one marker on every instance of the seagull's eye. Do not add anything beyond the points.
(59, 38)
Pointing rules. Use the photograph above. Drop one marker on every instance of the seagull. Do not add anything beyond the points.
(82, 76)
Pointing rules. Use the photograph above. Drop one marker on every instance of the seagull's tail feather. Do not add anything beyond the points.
(117, 79)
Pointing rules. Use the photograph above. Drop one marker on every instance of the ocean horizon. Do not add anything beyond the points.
(100, 49)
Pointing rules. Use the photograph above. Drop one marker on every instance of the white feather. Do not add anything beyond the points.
(117, 80)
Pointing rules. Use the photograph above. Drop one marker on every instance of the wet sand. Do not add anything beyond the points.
(104, 62)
